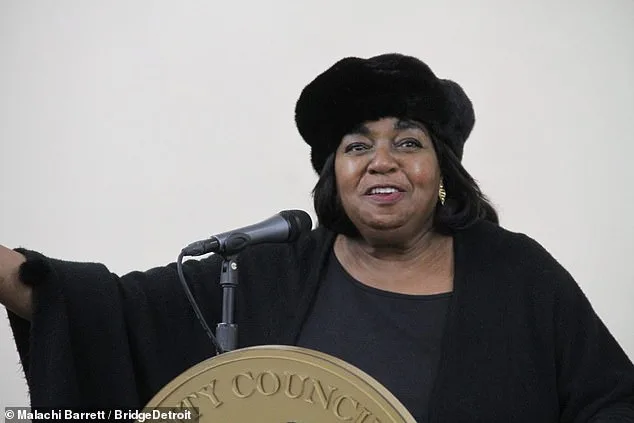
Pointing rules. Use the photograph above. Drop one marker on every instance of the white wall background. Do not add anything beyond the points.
(130, 128)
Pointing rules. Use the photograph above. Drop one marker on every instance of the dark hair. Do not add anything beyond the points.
(464, 204)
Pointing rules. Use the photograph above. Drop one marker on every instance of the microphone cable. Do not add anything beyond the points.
(192, 301)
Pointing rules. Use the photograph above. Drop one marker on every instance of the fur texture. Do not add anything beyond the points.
(34, 270)
(356, 90)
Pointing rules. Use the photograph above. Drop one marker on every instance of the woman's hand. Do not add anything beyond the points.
(14, 294)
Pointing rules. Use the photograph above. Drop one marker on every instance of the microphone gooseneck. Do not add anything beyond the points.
(286, 226)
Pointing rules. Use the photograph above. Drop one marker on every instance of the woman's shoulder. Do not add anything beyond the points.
(491, 238)
(510, 252)
(515, 264)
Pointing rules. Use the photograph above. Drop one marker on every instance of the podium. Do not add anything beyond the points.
(278, 384)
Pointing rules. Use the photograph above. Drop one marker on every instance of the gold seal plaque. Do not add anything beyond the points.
(280, 384)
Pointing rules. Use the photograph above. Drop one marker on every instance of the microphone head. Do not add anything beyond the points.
(299, 223)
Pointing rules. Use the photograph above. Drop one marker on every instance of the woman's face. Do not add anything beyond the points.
(388, 176)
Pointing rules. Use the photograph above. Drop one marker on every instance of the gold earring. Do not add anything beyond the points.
(442, 194)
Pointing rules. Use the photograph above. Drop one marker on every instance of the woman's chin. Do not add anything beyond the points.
(390, 227)
(383, 227)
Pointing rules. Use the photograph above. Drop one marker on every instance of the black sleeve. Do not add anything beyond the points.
(595, 376)
(99, 340)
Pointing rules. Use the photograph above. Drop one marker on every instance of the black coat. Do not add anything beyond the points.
(522, 343)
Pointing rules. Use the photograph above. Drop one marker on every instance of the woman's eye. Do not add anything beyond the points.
(410, 143)
(356, 147)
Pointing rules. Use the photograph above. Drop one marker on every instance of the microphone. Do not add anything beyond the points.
(286, 226)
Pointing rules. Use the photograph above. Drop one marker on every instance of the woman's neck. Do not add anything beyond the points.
(422, 265)
(391, 248)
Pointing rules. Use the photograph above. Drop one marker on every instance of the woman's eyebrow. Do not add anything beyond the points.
(360, 129)
(401, 124)
(409, 124)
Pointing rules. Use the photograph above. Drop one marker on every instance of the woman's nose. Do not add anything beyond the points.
(382, 161)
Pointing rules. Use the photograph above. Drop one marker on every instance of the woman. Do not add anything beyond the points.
(408, 277)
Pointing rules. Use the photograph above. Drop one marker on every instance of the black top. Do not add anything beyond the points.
(522, 343)
(395, 338)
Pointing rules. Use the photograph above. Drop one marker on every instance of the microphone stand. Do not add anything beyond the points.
(227, 330)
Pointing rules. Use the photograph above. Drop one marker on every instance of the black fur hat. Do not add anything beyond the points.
(356, 90)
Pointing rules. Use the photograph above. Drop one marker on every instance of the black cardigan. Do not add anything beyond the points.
(522, 342)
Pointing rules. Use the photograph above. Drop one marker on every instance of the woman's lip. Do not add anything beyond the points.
(369, 190)
(390, 198)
